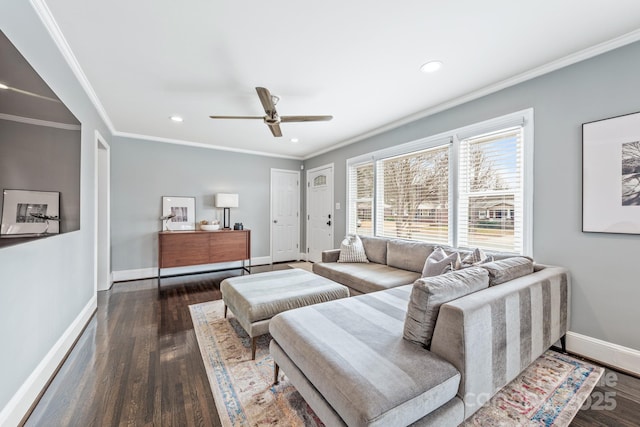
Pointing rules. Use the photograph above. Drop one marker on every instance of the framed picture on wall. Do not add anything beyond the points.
(31, 213)
(611, 175)
(180, 213)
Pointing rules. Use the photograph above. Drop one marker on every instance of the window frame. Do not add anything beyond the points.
(523, 118)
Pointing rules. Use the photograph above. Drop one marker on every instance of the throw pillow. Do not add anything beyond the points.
(352, 250)
(508, 269)
(439, 262)
(477, 257)
(429, 293)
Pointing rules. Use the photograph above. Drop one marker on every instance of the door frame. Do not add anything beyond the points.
(275, 170)
(333, 214)
(102, 241)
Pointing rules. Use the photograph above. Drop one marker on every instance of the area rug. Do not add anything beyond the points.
(548, 393)
(303, 265)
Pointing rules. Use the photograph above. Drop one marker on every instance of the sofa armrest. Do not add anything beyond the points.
(331, 255)
(492, 335)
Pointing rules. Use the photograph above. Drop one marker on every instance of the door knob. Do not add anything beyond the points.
(275, 221)
(329, 223)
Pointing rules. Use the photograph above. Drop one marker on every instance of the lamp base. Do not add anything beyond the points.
(226, 218)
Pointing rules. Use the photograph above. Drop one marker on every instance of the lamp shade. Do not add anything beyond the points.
(226, 200)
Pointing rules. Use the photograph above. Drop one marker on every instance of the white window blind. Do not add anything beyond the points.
(360, 199)
(413, 196)
(490, 191)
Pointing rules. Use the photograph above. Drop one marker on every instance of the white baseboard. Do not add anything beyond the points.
(146, 273)
(302, 256)
(614, 355)
(19, 405)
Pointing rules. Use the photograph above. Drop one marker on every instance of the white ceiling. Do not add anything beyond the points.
(357, 60)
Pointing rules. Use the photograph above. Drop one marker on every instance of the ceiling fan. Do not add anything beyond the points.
(271, 117)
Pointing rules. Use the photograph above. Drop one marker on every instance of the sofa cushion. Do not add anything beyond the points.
(375, 248)
(365, 278)
(352, 250)
(502, 271)
(407, 254)
(439, 262)
(429, 293)
(354, 355)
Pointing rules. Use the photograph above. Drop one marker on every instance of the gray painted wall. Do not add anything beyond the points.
(143, 171)
(603, 266)
(44, 159)
(46, 283)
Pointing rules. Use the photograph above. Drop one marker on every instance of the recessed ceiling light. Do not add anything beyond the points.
(294, 140)
(431, 66)
(3, 86)
(176, 118)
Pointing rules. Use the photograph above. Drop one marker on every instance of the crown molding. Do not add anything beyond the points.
(571, 59)
(52, 27)
(38, 122)
(203, 145)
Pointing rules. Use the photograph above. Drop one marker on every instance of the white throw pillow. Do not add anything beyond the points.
(352, 250)
(439, 262)
(477, 257)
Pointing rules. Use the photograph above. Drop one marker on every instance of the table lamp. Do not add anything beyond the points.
(226, 201)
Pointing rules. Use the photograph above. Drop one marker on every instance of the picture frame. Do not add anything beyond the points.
(184, 209)
(30, 213)
(611, 175)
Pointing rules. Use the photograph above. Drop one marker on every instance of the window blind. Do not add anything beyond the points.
(413, 195)
(490, 191)
(360, 199)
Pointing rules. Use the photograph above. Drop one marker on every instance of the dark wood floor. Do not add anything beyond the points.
(138, 363)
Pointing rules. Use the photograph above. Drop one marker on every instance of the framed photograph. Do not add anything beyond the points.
(182, 211)
(611, 175)
(32, 213)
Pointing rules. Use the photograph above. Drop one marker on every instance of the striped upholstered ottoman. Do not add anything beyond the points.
(256, 298)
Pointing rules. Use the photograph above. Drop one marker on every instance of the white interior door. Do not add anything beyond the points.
(319, 212)
(285, 215)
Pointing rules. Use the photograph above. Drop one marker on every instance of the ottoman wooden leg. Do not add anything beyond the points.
(276, 371)
(225, 311)
(253, 348)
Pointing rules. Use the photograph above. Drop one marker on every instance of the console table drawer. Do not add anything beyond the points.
(177, 250)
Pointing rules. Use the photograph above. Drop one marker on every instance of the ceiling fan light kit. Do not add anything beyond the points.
(271, 117)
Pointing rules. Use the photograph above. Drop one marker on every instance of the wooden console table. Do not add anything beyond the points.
(185, 248)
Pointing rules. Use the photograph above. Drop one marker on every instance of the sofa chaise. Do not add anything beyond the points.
(352, 363)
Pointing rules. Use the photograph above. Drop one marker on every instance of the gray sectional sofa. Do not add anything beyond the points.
(350, 361)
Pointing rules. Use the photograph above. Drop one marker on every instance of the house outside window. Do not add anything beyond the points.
(470, 187)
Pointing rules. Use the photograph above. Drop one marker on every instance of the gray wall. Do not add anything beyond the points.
(45, 284)
(144, 171)
(603, 266)
(44, 159)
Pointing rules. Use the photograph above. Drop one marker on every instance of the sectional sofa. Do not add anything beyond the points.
(351, 359)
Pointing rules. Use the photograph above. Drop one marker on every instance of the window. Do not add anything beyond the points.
(468, 188)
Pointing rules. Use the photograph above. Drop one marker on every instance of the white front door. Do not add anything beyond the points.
(319, 212)
(285, 217)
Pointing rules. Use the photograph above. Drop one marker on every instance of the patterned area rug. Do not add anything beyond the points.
(548, 393)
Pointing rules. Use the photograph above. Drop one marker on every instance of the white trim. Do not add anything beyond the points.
(333, 213)
(297, 172)
(614, 355)
(135, 274)
(106, 213)
(152, 272)
(21, 402)
(202, 145)
(52, 27)
(571, 59)
(38, 122)
(302, 256)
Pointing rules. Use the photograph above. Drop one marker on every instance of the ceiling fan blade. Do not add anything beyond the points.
(275, 130)
(305, 118)
(267, 101)
(237, 117)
